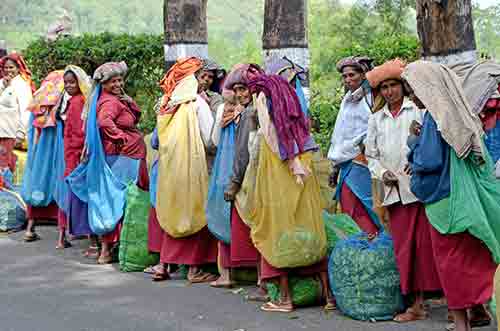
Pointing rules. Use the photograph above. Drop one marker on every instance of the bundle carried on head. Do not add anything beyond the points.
(361, 63)
(242, 74)
(389, 70)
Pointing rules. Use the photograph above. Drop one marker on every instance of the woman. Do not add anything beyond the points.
(347, 148)
(77, 87)
(15, 97)
(386, 151)
(43, 186)
(184, 126)
(116, 155)
(452, 175)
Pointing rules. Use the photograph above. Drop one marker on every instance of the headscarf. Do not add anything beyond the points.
(292, 126)
(362, 63)
(109, 70)
(180, 70)
(46, 99)
(219, 74)
(389, 70)
(82, 77)
(24, 72)
(286, 69)
(440, 90)
(242, 74)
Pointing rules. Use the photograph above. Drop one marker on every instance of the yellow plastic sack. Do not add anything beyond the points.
(182, 173)
(322, 167)
(497, 296)
(286, 223)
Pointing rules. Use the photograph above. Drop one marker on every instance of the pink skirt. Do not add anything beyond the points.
(7, 156)
(197, 249)
(243, 252)
(410, 230)
(351, 206)
(155, 232)
(465, 267)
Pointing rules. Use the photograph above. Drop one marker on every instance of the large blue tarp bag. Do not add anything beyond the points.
(218, 211)
(364, 277)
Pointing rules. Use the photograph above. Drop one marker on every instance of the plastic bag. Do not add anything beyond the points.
(338, 227)
(12, 210)
(182, 173)
(364, 278)
(219, 211)
(134, 254)
(322, 167)
(306, 291)
(286, 223)
(20, 165)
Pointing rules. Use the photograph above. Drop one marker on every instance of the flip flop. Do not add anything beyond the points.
(160, 277)
(202, 277)
(275, 308)
(105, 259)
(66, 244)
(221, 285)
(410, 316)
(330, 306)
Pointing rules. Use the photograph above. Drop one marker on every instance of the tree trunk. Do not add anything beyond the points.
(285, 33)
(185, 26)
(445, 28)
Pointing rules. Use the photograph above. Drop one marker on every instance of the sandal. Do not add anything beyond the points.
(66, 244)
(152, 269)
(160, 276)
(410, 315)
(216, 284)
(202, 277)
(479, 317)
(108, 259)
(31, 237)
(330, 306)
(277, 307)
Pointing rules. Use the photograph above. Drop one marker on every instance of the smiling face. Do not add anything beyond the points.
(114, 85)
(242, 94)
(10, 68)
(205, 80)
(392, 91)
(71, 84)
(352, 78)
(413, 97)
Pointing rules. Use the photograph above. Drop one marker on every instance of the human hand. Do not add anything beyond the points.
(415, 128)
(333, 178)
(232, 190)
(389, 178)
(407, 170)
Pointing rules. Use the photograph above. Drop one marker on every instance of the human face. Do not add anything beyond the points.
(205, 80)
(352, 78)
(114, 85)
(413, 97)
(10, 68)
(242, 94)
(71, 84)
(392, 91)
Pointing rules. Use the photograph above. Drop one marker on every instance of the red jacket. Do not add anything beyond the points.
(117, 122)
(74, 133)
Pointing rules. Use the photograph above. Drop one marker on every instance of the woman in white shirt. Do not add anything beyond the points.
(15, 96)
(386, 151)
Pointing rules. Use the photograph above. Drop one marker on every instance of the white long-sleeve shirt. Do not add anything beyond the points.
(387, 149)
(14, 102)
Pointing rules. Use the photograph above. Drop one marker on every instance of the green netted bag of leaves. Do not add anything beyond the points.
(338, 227)
(306, 291)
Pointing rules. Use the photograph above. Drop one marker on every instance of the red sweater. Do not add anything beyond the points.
(74, 133)
(117, 121)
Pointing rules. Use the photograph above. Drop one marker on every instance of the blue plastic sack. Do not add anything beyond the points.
(102, 181)
(218, 211)
(61, 188)
(39, 175)
(364, 278)
(492, 142)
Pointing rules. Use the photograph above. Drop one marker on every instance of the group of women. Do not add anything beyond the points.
(232, 179)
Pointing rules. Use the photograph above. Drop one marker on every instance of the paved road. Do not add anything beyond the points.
(42, 289)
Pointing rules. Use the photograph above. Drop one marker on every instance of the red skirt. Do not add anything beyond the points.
(243, 252)
(351, 206)
(410, 230)
(143, 184)
(43, 213)
(465, 267)
(268, 272)
(7, 157)
(155, 232)
(197, 249)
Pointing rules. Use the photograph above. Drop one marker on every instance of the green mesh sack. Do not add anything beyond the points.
(338, 227)
(306, 291)
(133, 252)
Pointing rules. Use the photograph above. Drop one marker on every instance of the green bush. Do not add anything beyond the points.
(142, 53)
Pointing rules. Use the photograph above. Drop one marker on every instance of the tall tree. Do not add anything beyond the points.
(445, 28)
(285, 32)
(185, 25)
